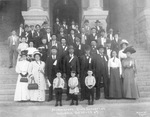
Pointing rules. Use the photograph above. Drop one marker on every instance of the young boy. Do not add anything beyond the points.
(58, 85)
(90, 83)
(73, 88)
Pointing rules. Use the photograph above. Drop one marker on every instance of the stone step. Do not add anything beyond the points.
(144, 94)
(7, 86)
(7, 71)
(144, 88)
(143, 83)
(8, 81)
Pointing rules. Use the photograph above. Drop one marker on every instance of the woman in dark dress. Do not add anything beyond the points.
(130, 89)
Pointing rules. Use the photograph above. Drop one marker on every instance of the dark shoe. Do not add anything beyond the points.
(60, 104)
(56, 104)
(10, 66)
(81, 99)
(97, 98)
(77, 103)
(72, 103)
(92, 103)
(88, 102)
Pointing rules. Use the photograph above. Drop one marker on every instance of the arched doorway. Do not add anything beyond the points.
(65, 9)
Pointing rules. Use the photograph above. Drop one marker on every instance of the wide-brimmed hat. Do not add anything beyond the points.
(93, 28)
(129, 49)
(24, 52)
(37, 53)
(97, 21)
(100, 46)
(124, 42)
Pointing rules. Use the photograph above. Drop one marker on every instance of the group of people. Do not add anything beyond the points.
(81, 61)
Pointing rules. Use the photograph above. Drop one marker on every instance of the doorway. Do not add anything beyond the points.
(65, 10)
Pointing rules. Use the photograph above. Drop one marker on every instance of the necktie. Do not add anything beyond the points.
(114, 59)
(13, 40)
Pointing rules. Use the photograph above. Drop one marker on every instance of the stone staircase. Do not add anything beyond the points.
(8, 77)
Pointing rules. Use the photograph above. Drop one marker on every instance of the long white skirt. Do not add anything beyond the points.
(37, 95)
(21, 92)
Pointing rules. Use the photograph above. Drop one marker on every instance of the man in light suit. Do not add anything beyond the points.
(13, 42)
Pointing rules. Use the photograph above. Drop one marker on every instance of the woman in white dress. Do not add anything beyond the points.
(21, 92)
(36, 71)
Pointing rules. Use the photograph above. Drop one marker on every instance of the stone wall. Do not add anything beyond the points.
(122, 17)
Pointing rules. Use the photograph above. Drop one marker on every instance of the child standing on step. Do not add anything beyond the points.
(73, 88)
(58, 85)
(90, 83)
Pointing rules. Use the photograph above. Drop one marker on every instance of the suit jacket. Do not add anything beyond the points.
(79, 50)
(71, 65)
(46, 37)
(71, 41)
(101, 41)
(59, 48)
(85, 65)
(115, 45)
(56, 28)
(25, 34)
(52, 67)
(59, 37)
(98, 30)
(91, 38)
(10, 41)
(87, 30)
(31, 37)
(101, 65)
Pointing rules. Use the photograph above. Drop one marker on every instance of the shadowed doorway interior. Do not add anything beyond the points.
(66, 10)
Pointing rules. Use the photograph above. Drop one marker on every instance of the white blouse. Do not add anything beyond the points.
(22, 46)
(115, 63)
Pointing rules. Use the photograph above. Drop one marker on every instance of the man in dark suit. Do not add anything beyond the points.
(56, 27)
(98, 27)
(71, 63)
(61, 34)
(72, 37)
(65, 27)
(38, 36)
(110, 34)
(31, 36)
(102, 39)
(101, 72)
(79, 48)
(93, 46)
(83, 36)
(48, 34)
(43, 28)
(115, 44)
(53, 64)
(86, 62)
(55, 43)
(92, 37)
(25, 33)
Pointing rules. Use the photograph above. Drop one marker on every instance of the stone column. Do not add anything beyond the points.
(95, 12)
(35, 14)
(36, 5)
(143, 22)
(95, 4)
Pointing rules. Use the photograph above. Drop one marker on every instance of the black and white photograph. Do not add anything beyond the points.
(74, 58)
